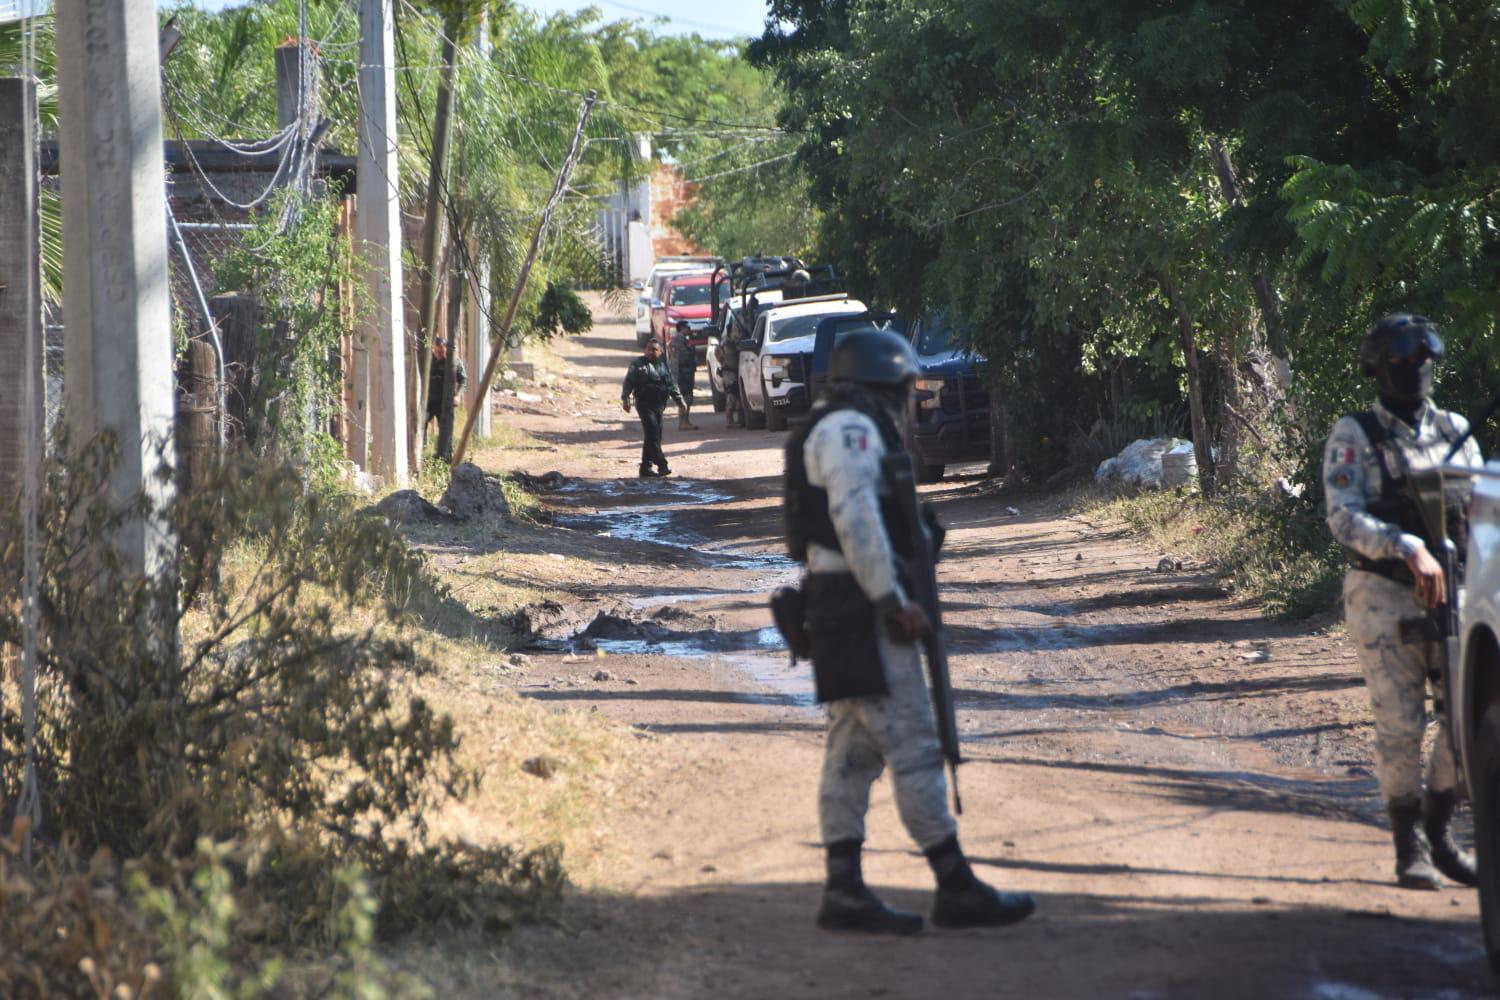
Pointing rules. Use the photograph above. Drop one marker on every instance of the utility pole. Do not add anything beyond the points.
(379, 369)
(22, 393)
(479, 303)
(118, 344)
(558, 187)
(434, 232)
(297, 104)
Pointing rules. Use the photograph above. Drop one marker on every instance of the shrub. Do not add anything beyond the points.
(202, 706)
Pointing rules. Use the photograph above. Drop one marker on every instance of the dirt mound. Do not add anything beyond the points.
(549, 624)
(471, 493)
(408, 507)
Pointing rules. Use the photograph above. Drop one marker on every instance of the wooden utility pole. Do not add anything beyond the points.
(503, 330)
(118, 343)
(379, 357)
(434, 233)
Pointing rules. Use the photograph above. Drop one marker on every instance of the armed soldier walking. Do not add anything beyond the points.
(1397, 582)
(650, 382)
(684, 360)
(862, 630)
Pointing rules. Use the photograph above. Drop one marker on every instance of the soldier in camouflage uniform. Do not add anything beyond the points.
(684, 359)
(863, 633)
(1395, 582)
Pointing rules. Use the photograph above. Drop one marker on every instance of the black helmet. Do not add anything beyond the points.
(875, 358)
(1398, 353)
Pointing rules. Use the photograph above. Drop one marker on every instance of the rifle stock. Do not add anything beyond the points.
(921, 579)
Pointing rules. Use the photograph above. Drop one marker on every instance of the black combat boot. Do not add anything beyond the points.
(1413, 862)
(964, 901)
(647, 473)
(849, 905)
(1450, 859)
(662, 470)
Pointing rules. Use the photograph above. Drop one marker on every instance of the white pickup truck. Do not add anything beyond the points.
(1474, 691)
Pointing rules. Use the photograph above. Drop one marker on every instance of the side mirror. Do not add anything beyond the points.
(638, 285)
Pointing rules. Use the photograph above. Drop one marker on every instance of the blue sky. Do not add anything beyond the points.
(684, 17)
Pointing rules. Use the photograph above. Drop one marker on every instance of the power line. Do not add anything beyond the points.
(740, 170)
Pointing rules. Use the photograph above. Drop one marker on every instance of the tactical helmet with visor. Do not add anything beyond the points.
(877, 361)
(1399, 352)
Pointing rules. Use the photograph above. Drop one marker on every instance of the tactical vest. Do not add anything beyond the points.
(1396, 504)
(653, 381)
(806, 506)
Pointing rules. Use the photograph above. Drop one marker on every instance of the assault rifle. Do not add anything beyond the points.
(921, 578)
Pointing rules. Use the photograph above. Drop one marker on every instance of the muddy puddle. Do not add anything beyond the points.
(647, 511)
(684, 626)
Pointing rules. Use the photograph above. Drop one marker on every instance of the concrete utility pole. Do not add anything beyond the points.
(479, 305)
(118, 343)
(479, 308)
(380, 369)
(297, 104)
(22, 392)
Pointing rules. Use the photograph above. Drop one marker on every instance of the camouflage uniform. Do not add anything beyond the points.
(843, 456)
(1395, 670)
(683, 358)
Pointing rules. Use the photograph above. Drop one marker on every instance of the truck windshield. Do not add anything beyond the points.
(689, 295)
(939, 335)
(796, 326)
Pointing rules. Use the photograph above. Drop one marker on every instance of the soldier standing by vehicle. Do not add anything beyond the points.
(1396, 582)
(863, 630)
(729, 371)
(650, 382)
(685, 366)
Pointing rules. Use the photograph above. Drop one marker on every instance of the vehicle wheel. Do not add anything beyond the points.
(930, 473)
(775, 419)
(721, 401)
(753, 421)
(1487, 828)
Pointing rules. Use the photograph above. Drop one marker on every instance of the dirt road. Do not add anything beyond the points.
(1184, 786)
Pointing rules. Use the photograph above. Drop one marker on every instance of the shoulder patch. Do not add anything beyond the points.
(1341, 479)
(855, 439)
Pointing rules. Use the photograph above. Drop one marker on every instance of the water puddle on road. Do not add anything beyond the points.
(649, 515)
(651, 520)
(766, 663)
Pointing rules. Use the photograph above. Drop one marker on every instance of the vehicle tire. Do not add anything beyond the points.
(775, 419)
(753, 421)
(930, 473)
(721, 401)
(1486, 761)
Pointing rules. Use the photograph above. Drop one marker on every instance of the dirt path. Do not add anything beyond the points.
(1185, 787)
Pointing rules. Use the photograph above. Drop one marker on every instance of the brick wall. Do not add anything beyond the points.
(669, 195)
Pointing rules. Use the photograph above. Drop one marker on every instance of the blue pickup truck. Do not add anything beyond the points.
(950, 420)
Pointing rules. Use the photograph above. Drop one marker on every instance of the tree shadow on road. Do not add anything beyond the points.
(1348, 798)
(756, 940)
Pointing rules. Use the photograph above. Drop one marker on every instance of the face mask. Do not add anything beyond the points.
(1410, 383)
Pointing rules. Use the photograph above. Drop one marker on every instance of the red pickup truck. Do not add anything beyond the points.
(685, 298)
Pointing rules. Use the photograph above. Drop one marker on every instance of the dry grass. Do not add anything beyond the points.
(1266, 549)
